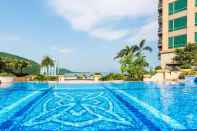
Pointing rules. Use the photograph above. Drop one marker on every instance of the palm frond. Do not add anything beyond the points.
(142, 43)
(147, 48)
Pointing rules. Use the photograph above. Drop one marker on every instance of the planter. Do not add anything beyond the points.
(7, 79)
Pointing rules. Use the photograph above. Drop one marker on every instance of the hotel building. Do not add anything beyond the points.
(177, 27)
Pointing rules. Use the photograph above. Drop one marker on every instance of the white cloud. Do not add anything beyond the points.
(86, 15)
(148, 32)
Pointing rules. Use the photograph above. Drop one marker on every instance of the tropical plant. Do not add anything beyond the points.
(132, 60)
(113, 76)
(141, 47)
(186, 57)
(47, 62)
(158, 68)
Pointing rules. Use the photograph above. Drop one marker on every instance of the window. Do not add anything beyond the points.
(195, 18)
(177, 41)
(171, 25)
(177, 6)
(196, 37)
(171, 8)
(180, 41)
(170, 42)
(178, 23)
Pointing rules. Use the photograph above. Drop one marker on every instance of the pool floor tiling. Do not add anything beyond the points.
(87, 107)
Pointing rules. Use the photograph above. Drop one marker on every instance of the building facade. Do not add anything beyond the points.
(177, 27)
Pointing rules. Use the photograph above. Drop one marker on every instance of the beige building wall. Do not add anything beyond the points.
(167, 54)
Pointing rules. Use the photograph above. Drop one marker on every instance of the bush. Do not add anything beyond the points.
(187, 73)
(6, 74)
(45, 78)
(158, 68)
(113, 76)
(40, 78)
(185, 66)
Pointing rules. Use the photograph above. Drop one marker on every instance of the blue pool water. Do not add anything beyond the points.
(104, 107)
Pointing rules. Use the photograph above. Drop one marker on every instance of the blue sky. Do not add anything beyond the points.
(83, 35)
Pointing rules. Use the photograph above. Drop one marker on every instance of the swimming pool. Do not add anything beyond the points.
(109, 106)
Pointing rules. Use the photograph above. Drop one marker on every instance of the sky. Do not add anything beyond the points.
(82, 35)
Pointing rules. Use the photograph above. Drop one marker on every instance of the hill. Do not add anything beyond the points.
(33, 68)
(63, 71)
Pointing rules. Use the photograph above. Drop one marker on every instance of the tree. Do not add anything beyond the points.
(2, 64)
(124, 52)
(47, 62)
(186, 57)
(23, 64)
(141, 47)
(132, 60)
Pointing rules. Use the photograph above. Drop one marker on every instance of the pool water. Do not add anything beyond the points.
(104, 107)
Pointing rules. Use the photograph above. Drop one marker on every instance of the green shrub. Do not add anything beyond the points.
(158, 68)
(39, 78)
(52, 78)
(45, 78)
(185, 66)
(6, 74)
(187, 73)
(113, 76)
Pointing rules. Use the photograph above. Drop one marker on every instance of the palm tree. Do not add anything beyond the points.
(132, 60)
(125, 52)
(47, 62)
(139, 49)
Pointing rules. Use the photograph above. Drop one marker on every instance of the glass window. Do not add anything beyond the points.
(171, 8)
(180, 5)
(177, 41)
(195, 18)
(196, 37)
(178, 23)
(171, 42)
(177, 6)
(180, 41)
(171, 25)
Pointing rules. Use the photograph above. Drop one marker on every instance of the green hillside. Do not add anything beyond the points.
(33, 68)
(63, 71)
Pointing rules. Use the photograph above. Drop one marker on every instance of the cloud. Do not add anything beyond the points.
(87, 15)
(147, 31)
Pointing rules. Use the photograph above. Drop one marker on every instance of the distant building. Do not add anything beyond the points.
(177, 27)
